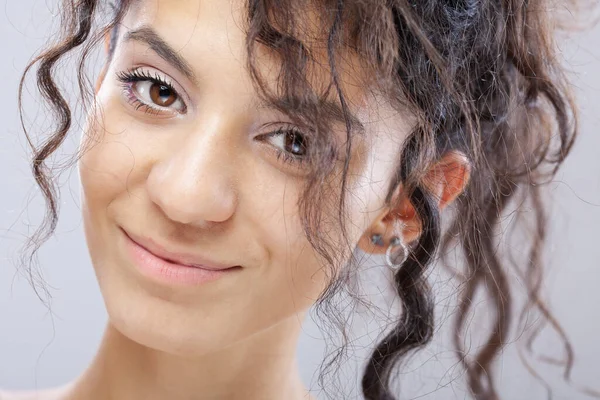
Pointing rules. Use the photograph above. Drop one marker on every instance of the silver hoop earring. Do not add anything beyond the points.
(395, 242)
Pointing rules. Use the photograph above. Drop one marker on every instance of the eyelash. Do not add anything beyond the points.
(130, 77)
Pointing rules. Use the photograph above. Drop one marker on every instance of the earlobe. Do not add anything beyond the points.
(401, 221)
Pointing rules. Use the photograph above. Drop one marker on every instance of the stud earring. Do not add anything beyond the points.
(377, 240)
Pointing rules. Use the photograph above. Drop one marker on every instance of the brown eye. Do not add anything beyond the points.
(162, 95)
(295, 143)
(291, 145)
(157, 95)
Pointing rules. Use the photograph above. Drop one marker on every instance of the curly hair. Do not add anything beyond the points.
(481, 77)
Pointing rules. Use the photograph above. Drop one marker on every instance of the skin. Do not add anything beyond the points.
(207, 182)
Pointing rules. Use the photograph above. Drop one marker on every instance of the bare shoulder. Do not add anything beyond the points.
(42, 394)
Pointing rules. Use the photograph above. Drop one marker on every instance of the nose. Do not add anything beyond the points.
(194, 184)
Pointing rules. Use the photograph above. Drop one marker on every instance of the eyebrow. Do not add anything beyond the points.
(334, 110)
(337, 112)
(149, 36)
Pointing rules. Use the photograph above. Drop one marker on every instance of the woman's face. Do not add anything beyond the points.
(193, 167)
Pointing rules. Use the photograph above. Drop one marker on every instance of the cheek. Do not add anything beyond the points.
(368, 178)
(115, 157)
(108, 156)
(103, 171)
(294, 274)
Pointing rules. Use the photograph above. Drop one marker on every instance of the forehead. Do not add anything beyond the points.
(211, 35)
(185, 19)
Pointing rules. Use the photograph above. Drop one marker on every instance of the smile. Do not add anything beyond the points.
(156, 265)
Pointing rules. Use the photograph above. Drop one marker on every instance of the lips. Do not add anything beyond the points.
(179, 258)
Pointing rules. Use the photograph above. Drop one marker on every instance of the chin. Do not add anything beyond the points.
(172, 327)
(173, 320)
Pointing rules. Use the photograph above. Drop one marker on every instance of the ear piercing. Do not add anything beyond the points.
(396, 242)
(377, 240)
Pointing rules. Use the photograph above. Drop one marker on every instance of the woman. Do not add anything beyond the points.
(236, 153)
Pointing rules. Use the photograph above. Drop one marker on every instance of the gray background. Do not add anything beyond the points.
(43, 349)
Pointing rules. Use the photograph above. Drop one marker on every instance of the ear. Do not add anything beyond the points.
(448, 177)
(107, 39)
(445, 180)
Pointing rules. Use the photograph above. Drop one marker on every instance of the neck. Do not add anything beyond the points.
(261, 367)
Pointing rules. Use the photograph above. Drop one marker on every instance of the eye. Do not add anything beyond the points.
(290, 144)
(157, 93)
(151, 92)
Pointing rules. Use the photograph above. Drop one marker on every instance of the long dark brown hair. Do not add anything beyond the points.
(481, 77)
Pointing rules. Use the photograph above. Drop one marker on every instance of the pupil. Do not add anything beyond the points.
(164, 92)
(162, 95)
(295, 144)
